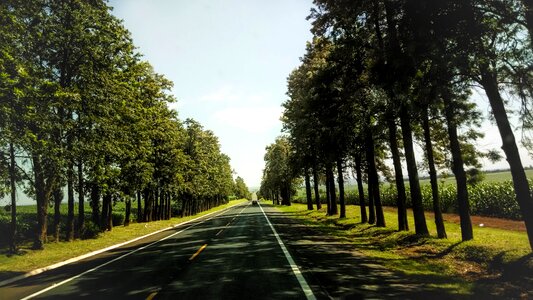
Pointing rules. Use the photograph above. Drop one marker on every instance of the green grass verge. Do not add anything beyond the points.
(27, 260)
(463, 267)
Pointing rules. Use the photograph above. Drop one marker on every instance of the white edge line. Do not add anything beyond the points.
(96, 252)
(299, 276)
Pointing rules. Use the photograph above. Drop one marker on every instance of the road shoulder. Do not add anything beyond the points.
(334, 268)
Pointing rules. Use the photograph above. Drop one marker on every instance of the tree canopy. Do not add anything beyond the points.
(82, 112)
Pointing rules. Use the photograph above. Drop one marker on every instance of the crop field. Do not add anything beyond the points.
(492, 197)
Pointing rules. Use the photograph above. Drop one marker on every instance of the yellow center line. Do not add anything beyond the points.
(220, 231)
(151, 296)
(197, 252)
(227, 225)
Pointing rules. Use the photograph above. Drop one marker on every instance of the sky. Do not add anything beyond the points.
(229, 61)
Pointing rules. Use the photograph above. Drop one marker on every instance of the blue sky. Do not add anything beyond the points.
(229, 60)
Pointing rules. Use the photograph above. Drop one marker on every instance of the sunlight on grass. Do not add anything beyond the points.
(442, 260)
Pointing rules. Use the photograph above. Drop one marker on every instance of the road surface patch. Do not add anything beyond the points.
(125, 255)
(299, 276)
(229, 223)
(90, 254)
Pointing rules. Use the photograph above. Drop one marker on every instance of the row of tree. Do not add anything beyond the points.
(81, 112)
(380, 75)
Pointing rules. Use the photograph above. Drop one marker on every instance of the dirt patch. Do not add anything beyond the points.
(478, 221)
(489, 222)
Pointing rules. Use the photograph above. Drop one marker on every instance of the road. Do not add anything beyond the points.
(234, 254)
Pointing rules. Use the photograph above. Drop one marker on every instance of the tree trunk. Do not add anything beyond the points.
(371, 207)
(58, 198)
(105, 210)
(520, 183)
(458, 170)
(162, 204)
(439, 222)
(95, 203)
(12, 179)
(128, 211)
(414, 184)
(308, 190)
(155, 199)
(315, 186)
(139, 208)
(70, 200)
(109, 221)
(169, 205)
(328, 193)
(340, 179)
(81, 199)
(42, 204)
(360, 188)
(398, 176)
(148, 206)
(332, 192)
(373, 178)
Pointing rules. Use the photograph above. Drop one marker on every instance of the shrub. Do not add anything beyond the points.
(90, 230)
(118, 218)
(175, 207)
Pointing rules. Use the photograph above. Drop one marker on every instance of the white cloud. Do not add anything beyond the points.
(250, 119)
(224, 94)
(228, 94)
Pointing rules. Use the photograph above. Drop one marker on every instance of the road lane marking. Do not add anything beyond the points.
(229, 223)
(53, 286)
(299, 276)
(197, 252)
(152, 295)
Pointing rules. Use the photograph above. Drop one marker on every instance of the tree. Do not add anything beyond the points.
(241, 190)
(278, 178)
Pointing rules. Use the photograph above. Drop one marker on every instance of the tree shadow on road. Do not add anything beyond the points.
(334, 265)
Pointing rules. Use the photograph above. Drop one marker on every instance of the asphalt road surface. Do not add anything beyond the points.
(234, 254)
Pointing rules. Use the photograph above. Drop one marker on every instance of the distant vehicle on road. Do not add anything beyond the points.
(254, 202)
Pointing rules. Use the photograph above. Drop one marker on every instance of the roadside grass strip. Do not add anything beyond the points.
(463, 267)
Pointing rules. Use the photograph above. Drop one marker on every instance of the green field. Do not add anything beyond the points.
(489, 177)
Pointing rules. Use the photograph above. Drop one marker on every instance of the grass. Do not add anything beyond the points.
(494, 253)
(28, 260)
